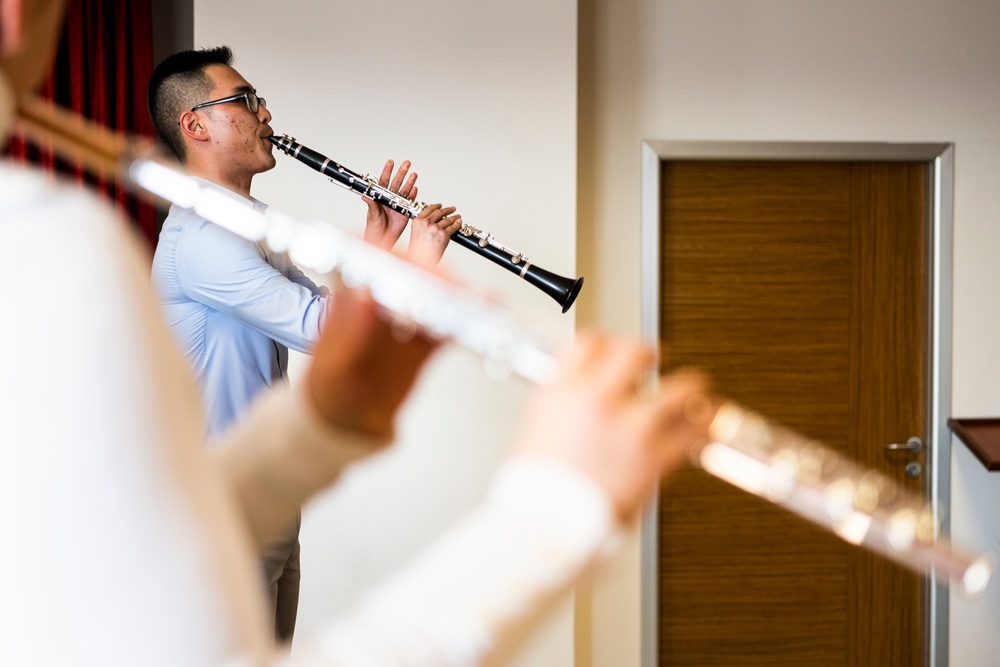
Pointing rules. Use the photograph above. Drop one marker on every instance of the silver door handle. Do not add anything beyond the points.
(914, 445)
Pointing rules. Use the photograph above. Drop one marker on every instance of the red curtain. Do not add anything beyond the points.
(104, 62)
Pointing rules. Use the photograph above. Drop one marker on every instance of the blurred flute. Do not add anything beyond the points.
(562, 289)
(862, 506)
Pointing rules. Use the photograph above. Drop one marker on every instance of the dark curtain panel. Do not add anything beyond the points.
(104, 62)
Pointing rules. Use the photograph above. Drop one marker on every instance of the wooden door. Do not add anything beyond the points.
(802, 288)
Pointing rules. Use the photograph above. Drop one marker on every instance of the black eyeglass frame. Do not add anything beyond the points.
(252, 99)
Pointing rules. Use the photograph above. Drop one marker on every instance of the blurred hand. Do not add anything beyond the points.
(430, 232)
(593, 418)
(10, 26)
(383, 226)
(29, 36)
(360, 372)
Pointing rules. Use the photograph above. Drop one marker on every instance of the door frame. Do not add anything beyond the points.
(940, 158)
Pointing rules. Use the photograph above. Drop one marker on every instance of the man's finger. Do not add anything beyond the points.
(397, 180)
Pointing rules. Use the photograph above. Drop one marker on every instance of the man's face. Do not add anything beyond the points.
(239, 137)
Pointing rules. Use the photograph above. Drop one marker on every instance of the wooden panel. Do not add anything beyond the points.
(763, 285)
(887, 404)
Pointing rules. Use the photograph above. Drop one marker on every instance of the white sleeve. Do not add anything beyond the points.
(280, 455)
(123, 549)
(541, 527)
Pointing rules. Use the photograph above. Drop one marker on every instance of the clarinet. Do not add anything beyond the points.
(563, 290)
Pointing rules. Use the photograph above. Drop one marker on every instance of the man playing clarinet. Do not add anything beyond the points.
(235, 309)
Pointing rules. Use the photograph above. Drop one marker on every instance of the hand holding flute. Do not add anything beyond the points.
(622, 437)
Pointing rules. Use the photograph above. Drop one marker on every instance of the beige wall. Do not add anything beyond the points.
(777, 70)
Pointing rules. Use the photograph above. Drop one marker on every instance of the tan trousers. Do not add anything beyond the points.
(281, 576)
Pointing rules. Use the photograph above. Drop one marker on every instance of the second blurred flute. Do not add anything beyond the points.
(563, 290)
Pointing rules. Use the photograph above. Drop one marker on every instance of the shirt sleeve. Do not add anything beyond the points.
(230, 274)
(280, 455)
(296, 275)
(473, 594)
(136, 555)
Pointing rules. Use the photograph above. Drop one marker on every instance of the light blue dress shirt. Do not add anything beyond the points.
(233, 308)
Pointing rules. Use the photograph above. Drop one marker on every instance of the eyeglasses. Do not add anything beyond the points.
(252, 100)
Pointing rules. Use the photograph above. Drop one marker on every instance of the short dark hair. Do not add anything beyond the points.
(177, 84)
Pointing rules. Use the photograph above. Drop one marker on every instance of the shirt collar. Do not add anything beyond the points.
(255, 203)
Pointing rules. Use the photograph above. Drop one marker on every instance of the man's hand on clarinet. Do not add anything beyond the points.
(430, 232)
(383, 225)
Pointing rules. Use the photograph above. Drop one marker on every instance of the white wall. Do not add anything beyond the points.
(784, 70)
(481, 97)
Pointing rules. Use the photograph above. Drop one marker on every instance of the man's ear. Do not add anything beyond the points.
(192, 127)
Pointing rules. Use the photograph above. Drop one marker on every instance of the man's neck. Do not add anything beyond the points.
(239, 185)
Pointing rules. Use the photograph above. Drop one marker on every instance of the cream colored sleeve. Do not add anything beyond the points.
(126, 552)
(281, 455)
(473, 594)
